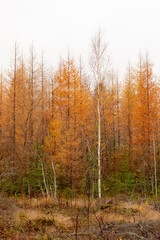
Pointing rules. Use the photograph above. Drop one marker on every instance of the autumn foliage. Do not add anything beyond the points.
(49, 129)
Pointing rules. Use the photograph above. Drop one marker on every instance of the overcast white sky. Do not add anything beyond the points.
(59, 25)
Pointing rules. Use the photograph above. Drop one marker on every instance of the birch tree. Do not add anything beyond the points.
(98, 66)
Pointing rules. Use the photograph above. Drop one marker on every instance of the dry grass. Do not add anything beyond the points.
(63, 220)
(143, 212)
(7, 207)
(77, 202)
(130, 212)
(112, 217)
(83, 202)
(34, 202)
(31, 214)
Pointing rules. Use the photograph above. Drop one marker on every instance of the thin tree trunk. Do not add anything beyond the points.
(52, 110)
(42, 103)
(148, 110)
(118, 116)
(155, 166)
(53, 166)
(44, 179)
(55, 181)
(129, 113)
(22, 188)
(31, 127)
(113, 114)
(93, 174)
(68, 89)
(14, 114)
(99, 148)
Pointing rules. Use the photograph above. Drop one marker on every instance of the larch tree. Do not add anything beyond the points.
(16, 105)
(1, 104)
(32, 86)
(127, 108)
(68, 126)
(155, 132)
(1, 127)
(43, 120)
(11, 115)
(22, 117)
(145, 117)
(118, 111)
(14, 82)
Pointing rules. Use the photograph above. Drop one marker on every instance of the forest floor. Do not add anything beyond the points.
(119, 218)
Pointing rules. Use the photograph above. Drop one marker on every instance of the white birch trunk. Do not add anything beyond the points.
(98, 64)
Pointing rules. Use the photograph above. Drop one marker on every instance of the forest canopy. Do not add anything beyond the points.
(60, 135)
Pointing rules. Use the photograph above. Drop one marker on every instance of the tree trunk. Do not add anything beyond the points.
(55, 180)
(44, 179)
(99, 149)
(155, 166)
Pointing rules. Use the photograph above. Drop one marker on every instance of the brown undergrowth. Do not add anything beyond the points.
(46, 219)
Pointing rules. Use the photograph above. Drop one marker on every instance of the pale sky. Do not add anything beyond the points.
(59, 25)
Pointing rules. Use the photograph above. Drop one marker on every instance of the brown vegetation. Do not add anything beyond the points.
(50, 220)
